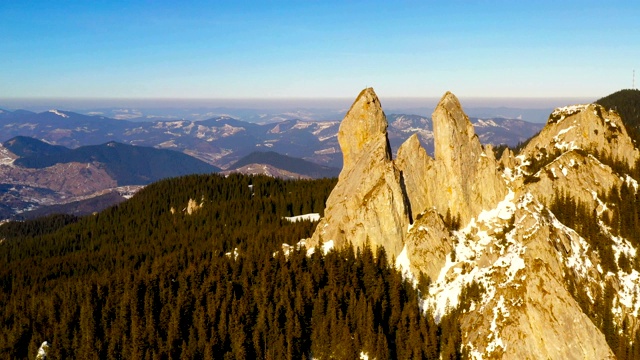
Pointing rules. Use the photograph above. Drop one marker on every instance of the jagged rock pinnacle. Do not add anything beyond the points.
(466, 174)
(368, 204)
(365, 122)
(452, 130)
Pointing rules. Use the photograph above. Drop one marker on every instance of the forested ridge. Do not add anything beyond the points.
(148, 280)
(626, 103)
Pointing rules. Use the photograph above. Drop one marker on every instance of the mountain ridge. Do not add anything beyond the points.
(223, 140)
(464, 218)
(49, 178)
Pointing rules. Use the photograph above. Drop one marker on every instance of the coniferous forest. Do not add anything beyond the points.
(155, 278)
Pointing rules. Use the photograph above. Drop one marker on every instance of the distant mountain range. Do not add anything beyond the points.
(223, 140)
(57, 158)
(37, 178)
(126, 164)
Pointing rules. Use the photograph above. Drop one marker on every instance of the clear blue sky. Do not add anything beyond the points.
(282, 49)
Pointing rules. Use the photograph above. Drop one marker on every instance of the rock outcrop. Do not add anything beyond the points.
(465, 218)
(588, 126)
(416, 166)
(573, 174)
(467, 172)
(368, 204)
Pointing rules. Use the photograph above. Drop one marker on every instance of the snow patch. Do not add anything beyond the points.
(563, 112)
(310, 217)
(473, 243)
(234, 253)
(629, 292)
(42, 351)
(404, 265)
(326, 247)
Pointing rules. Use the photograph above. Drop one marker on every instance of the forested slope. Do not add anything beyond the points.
(194, 268)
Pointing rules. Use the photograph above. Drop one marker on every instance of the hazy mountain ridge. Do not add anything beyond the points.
(48, 176)
(223, 140)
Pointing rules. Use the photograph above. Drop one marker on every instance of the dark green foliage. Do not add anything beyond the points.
(627, 104)
(624, 205)
(25, 146)
(140, 281)
(39, 227)
(450, 221)
(624, 221)
(283, 162)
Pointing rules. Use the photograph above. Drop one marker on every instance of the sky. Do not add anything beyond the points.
(317, 49)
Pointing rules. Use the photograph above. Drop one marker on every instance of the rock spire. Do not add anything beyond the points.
(368, 204)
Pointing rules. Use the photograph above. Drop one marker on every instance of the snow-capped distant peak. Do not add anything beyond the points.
(59, 113)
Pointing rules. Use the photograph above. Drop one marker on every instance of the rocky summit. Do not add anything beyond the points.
(465, 220)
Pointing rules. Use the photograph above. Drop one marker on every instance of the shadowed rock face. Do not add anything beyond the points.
(508, 241)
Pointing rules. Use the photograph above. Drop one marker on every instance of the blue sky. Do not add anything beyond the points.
(317, 49)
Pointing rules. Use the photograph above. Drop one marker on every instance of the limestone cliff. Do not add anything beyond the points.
(464, 218)
(589, 127)
(415, 166)
(463, 179)
(368, 203)
(468, 173)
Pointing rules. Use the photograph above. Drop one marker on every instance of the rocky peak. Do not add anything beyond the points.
(364, 123)
(415, 166)
(587, 127)
(368, 204)
(468, 174)
(453, 131)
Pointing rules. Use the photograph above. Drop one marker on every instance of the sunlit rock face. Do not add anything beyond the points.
(464, 218)
(368, 204)
(587, 127)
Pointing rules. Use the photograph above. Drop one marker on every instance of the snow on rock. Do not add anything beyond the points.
(563, 112)
(475, 244)
(42, 351)
(631, 182)
(629, 292)
(578, 259)
(499, 313)
(326, 247)
(234, 254)
(404, 265)
(310, 217)
(562, 132)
